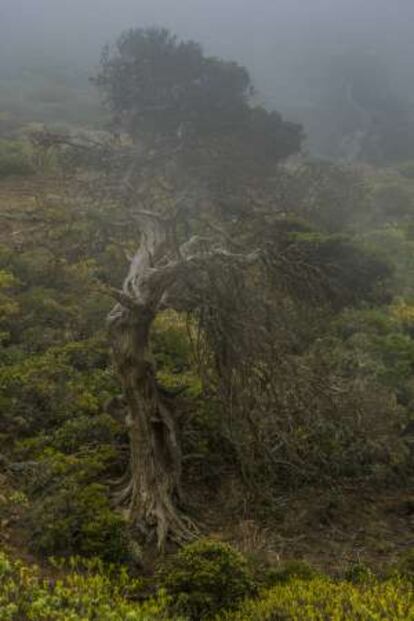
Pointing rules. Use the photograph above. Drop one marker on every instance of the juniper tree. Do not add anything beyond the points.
(196, 175)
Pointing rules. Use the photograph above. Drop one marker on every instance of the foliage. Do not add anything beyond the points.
(380, 342)
(187, 84)
(54, 386)
(206, 577)
(172, 347)
(359, 573)
(288, 571)
(55, 380)
(323, 598)
(395, 245)
(192, 96)
(77, 520)
(86, 590)
(308, 409)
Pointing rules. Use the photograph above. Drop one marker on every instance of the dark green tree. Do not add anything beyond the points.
(213, 243)
(158, 87)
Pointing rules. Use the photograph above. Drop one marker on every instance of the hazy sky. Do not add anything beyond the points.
(275, 38)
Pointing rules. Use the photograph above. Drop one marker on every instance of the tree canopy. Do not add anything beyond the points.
(158, 86)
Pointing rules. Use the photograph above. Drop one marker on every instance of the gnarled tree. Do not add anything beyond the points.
(195, 177)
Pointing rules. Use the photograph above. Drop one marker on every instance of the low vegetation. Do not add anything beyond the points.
(89, 590)
(325, 599)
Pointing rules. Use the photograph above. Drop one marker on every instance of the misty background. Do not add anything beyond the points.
(289, 46)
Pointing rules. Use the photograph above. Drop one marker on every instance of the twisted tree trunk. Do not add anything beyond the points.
(161, 275)
(153, 488)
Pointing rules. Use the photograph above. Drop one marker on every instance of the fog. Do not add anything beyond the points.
(286, 44)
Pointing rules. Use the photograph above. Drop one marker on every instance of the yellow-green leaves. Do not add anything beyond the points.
(323, 599)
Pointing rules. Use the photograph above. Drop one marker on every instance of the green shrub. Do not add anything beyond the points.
(87, 591)
(206, 577)
(359, 573)
(288, 571)
(83, 431)
(15, 158)
(324, 599)
(51, 390)
(76, 520)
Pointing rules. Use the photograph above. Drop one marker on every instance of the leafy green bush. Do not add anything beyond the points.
(83, 431)
(85, 591)
(76, 520)
(53, 388)
(15, 158)
(206, 577)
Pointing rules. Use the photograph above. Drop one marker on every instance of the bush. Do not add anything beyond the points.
(15, 158)
(322, 599)
(359, 573)
(76, 520)
(84, 591)
(206, 577)
(84, 430)
(288, 571)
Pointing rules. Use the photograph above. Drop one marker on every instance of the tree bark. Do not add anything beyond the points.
(154, 486)
(159, 276)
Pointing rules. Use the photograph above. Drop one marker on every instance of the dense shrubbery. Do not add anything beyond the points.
(382, 340)
(67, 511)
(88, 590)
(322, 599)
(77, 520)
(206, 577)
(52, 391)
